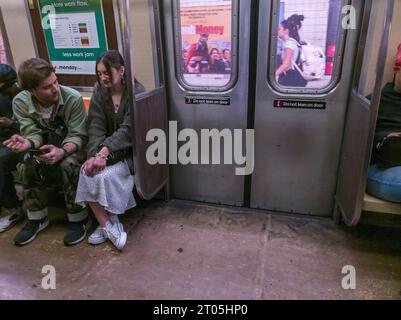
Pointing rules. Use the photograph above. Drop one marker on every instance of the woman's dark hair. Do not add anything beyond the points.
(293, 24)
(111, 59)
(214, 49)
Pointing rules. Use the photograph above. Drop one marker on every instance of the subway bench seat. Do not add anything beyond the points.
(373, 204)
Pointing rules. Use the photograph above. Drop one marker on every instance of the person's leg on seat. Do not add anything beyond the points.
(384, 183)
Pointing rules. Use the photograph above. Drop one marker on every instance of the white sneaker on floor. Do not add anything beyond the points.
(115, 235)
(99, 236)
(9, 217)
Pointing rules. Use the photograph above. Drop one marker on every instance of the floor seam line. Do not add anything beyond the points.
(260, 276)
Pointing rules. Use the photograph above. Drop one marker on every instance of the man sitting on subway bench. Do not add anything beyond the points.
(52, 133)
(11, 207)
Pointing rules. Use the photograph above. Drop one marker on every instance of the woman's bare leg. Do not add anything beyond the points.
(100, 213)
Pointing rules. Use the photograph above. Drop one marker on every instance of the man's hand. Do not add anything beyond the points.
(6, 122)
(51, 154)
(18, 144)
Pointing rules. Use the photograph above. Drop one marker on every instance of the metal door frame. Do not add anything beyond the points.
(141, 167)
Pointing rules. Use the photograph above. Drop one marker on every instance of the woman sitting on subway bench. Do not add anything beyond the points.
(106, 181)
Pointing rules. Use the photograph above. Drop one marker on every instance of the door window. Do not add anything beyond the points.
(206, 52)
(307, 40)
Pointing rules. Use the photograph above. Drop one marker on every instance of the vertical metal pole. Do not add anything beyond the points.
(125, 24)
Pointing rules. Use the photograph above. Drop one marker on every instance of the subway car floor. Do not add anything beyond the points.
(187, 250)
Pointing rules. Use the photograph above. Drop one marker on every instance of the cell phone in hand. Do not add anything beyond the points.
(36, 152)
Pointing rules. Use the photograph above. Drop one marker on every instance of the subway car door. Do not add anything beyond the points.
(298, 126)
(142, 46)
(207, 51)
(362, 110)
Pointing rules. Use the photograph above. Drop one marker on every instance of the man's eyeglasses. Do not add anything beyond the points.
(202, 64)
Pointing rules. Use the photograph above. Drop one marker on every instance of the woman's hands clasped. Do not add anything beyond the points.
(94, 165)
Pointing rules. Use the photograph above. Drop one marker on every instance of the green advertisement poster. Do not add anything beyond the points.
(75, 34)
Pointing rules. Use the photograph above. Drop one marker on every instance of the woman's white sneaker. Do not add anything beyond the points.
(98, 236)
(115, 235)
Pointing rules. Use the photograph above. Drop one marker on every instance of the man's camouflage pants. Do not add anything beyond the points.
(36, 177)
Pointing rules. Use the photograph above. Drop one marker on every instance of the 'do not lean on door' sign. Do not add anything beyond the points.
(297, 104)
(75, 34)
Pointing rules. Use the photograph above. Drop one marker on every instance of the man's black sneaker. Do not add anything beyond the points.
(77, 231)
(30, 230)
